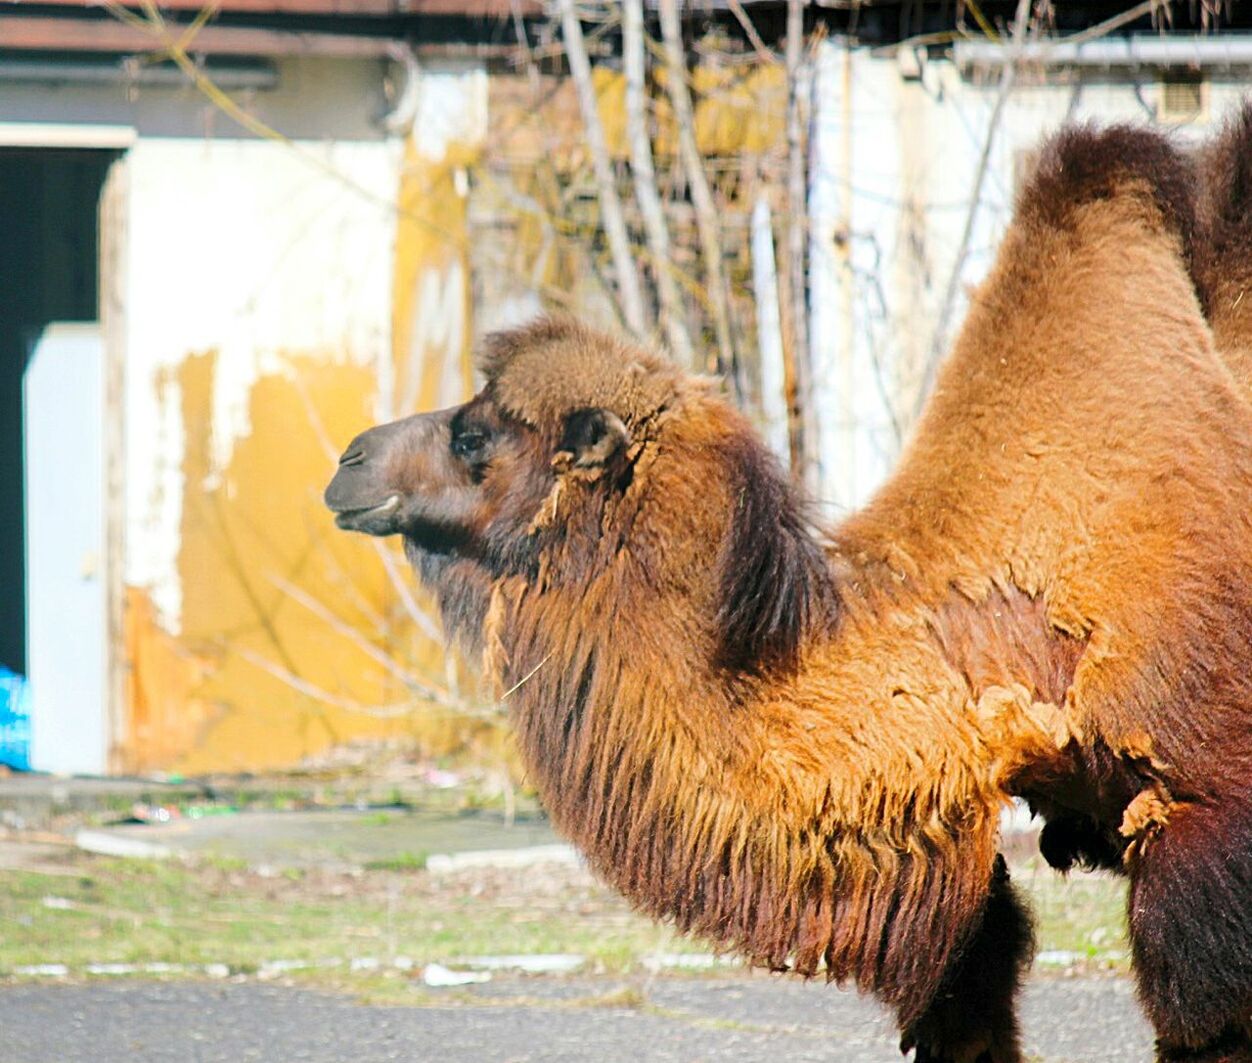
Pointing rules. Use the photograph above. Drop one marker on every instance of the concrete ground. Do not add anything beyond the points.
(731, 1016)
(664, 1020)
(333, 837)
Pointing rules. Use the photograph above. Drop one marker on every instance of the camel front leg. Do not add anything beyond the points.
(972, 1017)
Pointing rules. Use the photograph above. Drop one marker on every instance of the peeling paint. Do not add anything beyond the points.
(164, 715)
(430, 288)
(451, 110)
(279, 607)
(154, 516)
(256, 631)
(239, 247)
(253, 544)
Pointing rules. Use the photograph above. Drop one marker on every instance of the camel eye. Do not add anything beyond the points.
(468, 443)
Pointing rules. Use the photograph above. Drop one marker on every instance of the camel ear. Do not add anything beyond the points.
(591, 438)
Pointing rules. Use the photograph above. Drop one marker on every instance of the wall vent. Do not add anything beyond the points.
(1182, 99)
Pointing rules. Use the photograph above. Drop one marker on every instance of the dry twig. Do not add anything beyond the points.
(701, 194)
(630, 294)
(655, 228)
(1007, 78)
(798, 371)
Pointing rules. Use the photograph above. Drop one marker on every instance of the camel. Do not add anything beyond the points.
(797, 740)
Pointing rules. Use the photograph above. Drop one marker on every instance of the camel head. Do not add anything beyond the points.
(582, 447)
(560, 403)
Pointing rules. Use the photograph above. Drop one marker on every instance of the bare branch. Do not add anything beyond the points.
(315, 419)
(655, 228)
(701, 194)
(1100, 29)
(419, 617)
(341, 627)
(797, 367)
(312, 690)
(1007, 78)
(396, 709)
(395, 573)
(754, 38)
(628, 287)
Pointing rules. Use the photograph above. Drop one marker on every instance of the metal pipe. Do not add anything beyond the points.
(397, 119)
(1138, 50)
(232, 77)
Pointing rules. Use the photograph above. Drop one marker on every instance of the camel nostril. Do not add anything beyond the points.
(354, 456)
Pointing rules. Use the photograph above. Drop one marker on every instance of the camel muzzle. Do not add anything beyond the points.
(384, 468)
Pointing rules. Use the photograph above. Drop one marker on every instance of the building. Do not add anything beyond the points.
(197, 316)
(897, 137)
(229, 243)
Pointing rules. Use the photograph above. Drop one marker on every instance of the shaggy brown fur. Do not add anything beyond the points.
(798, 743)
(1224, 269)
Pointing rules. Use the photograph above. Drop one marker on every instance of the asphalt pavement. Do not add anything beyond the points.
(520, 1020)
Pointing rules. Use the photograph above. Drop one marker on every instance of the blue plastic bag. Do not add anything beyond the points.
(14, 720)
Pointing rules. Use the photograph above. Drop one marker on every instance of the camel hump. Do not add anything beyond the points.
(1224, 267)
(1082, 164)
(1226, 198)
(1226, 186)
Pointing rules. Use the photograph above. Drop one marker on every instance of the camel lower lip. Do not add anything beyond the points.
(353, 519)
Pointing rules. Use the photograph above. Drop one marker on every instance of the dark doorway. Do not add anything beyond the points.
(49, 271)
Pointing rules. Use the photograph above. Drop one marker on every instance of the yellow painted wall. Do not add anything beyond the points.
(738, 110)
(285, 620)
(225, 693)
(431, 292)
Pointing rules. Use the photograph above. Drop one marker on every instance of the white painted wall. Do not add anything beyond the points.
(893, 161)
(257, 251)
(260, 251)
(65, 550)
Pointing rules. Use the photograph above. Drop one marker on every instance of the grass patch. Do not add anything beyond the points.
(1083, 914)
(119, 911)
(100, 910)
(399, 862)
